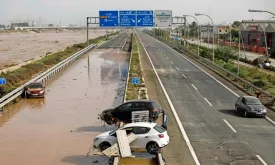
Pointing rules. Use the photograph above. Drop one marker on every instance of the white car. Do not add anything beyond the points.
(150, 136)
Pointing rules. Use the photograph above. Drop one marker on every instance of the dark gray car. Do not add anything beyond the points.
(250, 106)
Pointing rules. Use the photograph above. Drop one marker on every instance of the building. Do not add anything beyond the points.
(207, 30)
(224, 29)
(258, 36)
(15, 25)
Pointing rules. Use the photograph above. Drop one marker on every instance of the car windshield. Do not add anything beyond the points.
(156, 105)
(35, 85)
(252, 101)
(113, 131)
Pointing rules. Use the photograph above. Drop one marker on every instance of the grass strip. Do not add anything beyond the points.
(135, 71)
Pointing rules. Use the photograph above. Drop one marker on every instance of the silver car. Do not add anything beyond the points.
(250, 106)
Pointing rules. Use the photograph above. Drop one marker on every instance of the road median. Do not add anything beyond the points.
(135, 90)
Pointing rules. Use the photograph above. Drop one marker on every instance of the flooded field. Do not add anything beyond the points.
(59, 129)
(16, 48)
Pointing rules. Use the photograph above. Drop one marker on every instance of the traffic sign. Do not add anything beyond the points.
(163, 18)
(108, 18)
(128, 18)
(135, 80)
(3, 81)
(145, 18)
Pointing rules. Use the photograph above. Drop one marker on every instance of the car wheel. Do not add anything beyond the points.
(103, 146)
(152, 148)
(245, 114)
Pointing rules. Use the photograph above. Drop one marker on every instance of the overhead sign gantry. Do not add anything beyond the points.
(127, 18)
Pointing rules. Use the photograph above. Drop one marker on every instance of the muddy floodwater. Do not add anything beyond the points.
(59, 129)
(16, 48)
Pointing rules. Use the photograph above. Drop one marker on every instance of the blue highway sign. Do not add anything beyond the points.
(145, 18)
(128, 18)
(135, 80)
(108, 18)
(3, 81)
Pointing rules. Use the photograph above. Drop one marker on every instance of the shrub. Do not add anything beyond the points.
(48, 53)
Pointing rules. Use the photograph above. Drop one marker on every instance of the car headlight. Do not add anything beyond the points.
(41, 92)
(28, 92)
(264, 109)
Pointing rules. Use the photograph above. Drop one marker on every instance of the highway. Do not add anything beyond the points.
(59, 129)
(119, 42)
(205, 106)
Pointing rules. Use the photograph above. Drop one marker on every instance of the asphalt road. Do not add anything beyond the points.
(59, 129)
(116, 42)
(206, 110)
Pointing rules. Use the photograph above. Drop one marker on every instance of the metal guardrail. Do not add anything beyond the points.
(266, 98)
(44, 76)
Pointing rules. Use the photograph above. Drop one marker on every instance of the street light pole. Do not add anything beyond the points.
(238, 71)
(197, 30)
(218, 30)
(261, 11)
(230, 36)
(213, 58)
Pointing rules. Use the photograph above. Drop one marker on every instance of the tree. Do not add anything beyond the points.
(236, 24)
(193, 25)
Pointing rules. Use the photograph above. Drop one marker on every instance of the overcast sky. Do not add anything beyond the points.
(75, 11)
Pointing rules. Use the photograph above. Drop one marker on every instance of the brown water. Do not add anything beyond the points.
(59, 129)
(19, 47)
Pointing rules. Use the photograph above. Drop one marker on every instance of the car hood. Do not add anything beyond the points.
(256, 107)
(105, 134)
(35, 89)
(108, 111)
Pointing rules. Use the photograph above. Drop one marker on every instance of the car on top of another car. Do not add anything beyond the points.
(124, 111)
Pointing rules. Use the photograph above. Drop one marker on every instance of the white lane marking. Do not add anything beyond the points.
(194, 87)
(270, 120)
(167, 58)
(184, 76)
(173, 110)
(199, 68)
(124, 43)
(230, 126)
(177, 68)
(264, 163)
(208, 102)
(171, 62)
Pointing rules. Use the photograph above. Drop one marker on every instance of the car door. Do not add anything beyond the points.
(142, 137)
(123, 112)
(138, 106)
(237, 104)
(243, 104)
